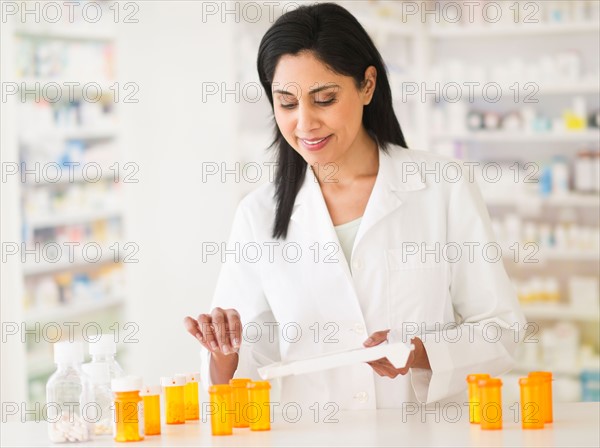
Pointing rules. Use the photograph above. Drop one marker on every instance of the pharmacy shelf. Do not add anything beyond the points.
(507, 89)
(589, 136)
(60, 219)
(528, 259)
(388, 27)
(569, 255)
(64, 312)
(524, 29)
(569, 88)
(571, 371)
(31, 85)
(108, 175)
(78, 262)
(74, 218)
(556, 311)
(88, 134)
(83, 133)
(569, 200)
(69, 33)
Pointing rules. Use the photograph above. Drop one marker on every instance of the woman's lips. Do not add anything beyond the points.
(314, 144)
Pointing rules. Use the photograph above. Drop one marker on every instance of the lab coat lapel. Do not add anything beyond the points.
(310, 210)
(311, 213)
(388, 189)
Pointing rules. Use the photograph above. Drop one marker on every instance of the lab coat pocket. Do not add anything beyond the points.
(418, 292)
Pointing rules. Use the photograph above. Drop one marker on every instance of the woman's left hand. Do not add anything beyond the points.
(416, 359)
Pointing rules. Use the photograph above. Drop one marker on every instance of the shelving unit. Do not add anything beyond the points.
(518, 30)
(551, 311)
(109, 256)
(51, 314)
(569, 200)
(514, 137)
(74, 218)
(89, 290)
(77, 34)
(529, 42)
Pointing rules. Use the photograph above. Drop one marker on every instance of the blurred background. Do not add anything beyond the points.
(120, 123)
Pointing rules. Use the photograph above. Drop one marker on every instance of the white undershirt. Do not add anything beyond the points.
(346, 234)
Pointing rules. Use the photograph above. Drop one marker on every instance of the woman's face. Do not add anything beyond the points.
(320, 112)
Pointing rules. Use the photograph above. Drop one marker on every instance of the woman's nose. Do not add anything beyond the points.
(307, 120)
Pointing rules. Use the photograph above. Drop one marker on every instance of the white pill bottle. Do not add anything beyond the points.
(70, 407)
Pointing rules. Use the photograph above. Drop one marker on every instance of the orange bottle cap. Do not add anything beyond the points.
(530, 381)
(490, 382)
(259, 385)
(540, 374)
(219, 389)
(474, 377)
(239, 382)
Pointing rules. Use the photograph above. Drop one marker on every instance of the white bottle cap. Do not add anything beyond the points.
(191, 377)
(153, 389)
(105, 345)
(98, 372)
(126, 384)
(68, 352)
(176, 380)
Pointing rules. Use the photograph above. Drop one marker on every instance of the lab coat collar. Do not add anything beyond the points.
(393, 178)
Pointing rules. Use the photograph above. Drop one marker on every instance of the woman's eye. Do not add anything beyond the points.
(321, 103)
(329, 101)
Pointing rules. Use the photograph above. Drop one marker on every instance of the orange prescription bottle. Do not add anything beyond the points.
(546, 391)
(192, 406)
(532, 412)
(174, 398)
(128, 409)
(259, 414)
(222, 409)
(490, 391)
(239, 386)
(151, 398)
(474, 398)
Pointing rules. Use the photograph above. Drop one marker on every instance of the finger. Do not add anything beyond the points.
(193, 328)
(393, 372)
(219, 324)
(234, 324)
(191, 325)
(376, 368)
(376, 338)
(207, 332)
(404, 370)
(385, 368)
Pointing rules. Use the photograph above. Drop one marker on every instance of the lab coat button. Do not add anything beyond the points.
(359, 328)
(357, 264)
(362, 397)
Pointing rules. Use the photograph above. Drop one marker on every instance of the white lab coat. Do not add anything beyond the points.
(384, 290)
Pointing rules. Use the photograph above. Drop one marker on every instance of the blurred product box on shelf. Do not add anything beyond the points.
(54, 59)
(584, 293)
(590, 381)
(46, 292)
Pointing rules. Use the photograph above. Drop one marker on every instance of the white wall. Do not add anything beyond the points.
(170, 212)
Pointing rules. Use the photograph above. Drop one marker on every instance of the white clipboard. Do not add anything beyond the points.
(397, 353)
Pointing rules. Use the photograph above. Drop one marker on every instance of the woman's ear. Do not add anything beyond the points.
(369, 84)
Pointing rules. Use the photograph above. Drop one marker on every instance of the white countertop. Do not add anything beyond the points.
(575, 424)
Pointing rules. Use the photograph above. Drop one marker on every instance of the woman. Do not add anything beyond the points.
(345, 178)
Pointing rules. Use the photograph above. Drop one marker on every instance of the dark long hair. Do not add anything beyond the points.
(336, 38)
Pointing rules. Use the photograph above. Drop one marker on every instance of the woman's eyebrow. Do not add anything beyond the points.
(311, 91)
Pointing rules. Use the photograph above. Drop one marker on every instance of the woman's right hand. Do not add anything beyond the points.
(220, 332)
